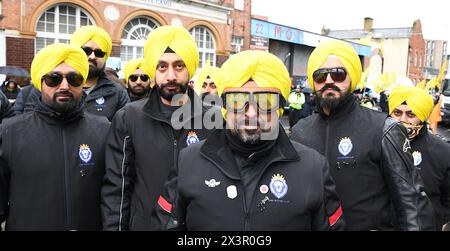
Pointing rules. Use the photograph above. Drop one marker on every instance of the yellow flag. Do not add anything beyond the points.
(431, 84)
(422, 84)
(441, 74)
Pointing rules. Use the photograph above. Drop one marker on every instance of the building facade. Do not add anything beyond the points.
(435, 55)
(30, 25)
(293, 46)
(396, 50)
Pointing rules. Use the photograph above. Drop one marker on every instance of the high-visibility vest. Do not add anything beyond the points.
(296, 100)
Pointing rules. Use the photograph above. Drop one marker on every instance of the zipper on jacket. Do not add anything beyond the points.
(327, 135)
(246, 211)
(67, 183)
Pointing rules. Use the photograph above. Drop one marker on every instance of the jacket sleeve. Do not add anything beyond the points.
(123, 98)
(19, 104)
(4, 180)
(332, 204)
(170, 210)
(119, 176)
(413, 208)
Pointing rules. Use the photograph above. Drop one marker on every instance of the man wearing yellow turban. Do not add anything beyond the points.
(369, 153)
(206, 85)
(103, 96)
(138, 80)
(412, 106)
(57, 187)
(148, 134)
(247, 168)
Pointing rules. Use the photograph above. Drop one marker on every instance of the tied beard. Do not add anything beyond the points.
(169, 95)
(330, 101)
(67, 106)
(94, 70)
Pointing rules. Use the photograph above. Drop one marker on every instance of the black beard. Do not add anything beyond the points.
(64, 107)
(330, 101)
(168, 95)
(95, 71)
(139, 93)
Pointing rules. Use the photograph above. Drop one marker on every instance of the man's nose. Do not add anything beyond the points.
(252, 110)
(171, 74)
(64, 84)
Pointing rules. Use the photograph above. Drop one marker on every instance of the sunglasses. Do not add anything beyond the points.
(338, 75)
(143, 77)
(97, 52)
(54, 79)
(266, 101)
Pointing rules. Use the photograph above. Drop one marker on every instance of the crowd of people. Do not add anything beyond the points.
(162, 154)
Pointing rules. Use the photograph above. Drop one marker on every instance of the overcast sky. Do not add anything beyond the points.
(311, 15)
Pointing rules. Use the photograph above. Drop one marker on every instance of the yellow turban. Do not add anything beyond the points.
(55, 54)
(418, 100)
(98, 35)
(133, 65)
(207, 71)
(264, 68)
(179, 40)
(344, 52)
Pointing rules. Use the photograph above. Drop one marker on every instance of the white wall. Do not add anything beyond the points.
(396, 56)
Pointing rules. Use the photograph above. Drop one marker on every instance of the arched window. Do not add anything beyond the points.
(134, 36)
(57, 24)
(205, 43)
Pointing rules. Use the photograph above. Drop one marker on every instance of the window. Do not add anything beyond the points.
(134, 36)
(205, 43)
(239, 4)
(237, 42)
(1, 12)
(57, 24)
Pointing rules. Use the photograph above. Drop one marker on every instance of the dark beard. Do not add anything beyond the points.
(330, 101)
(95, 71)
(168, 95)
(139, 93)
(64, 107)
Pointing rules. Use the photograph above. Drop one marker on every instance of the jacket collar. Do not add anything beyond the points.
(347, 107)
(101, 88)
(153, 108)
(53, 117)
(216, 150)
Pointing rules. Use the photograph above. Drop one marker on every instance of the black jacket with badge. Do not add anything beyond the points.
(142, 149)
(51, 170)
(371, 163)
(432, 159)
(106, 98)
(279, 188)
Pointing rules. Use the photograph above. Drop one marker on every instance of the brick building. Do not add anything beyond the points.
(435, 55)
(219, 26)
(396, 50)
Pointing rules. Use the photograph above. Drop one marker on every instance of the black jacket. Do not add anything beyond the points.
(432, 160)
(211, 192)
(6, 109)
(106, 98)
(27, 99)
(141, 150)
(51, 171)
(371, 164)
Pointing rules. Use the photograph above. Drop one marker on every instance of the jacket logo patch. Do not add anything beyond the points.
(85, 153)
(345, 146)
(406, 146)
(100, 101)
(212, 183)
(278, 186)
(192, 138)
(232, 191)
(417, 158)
